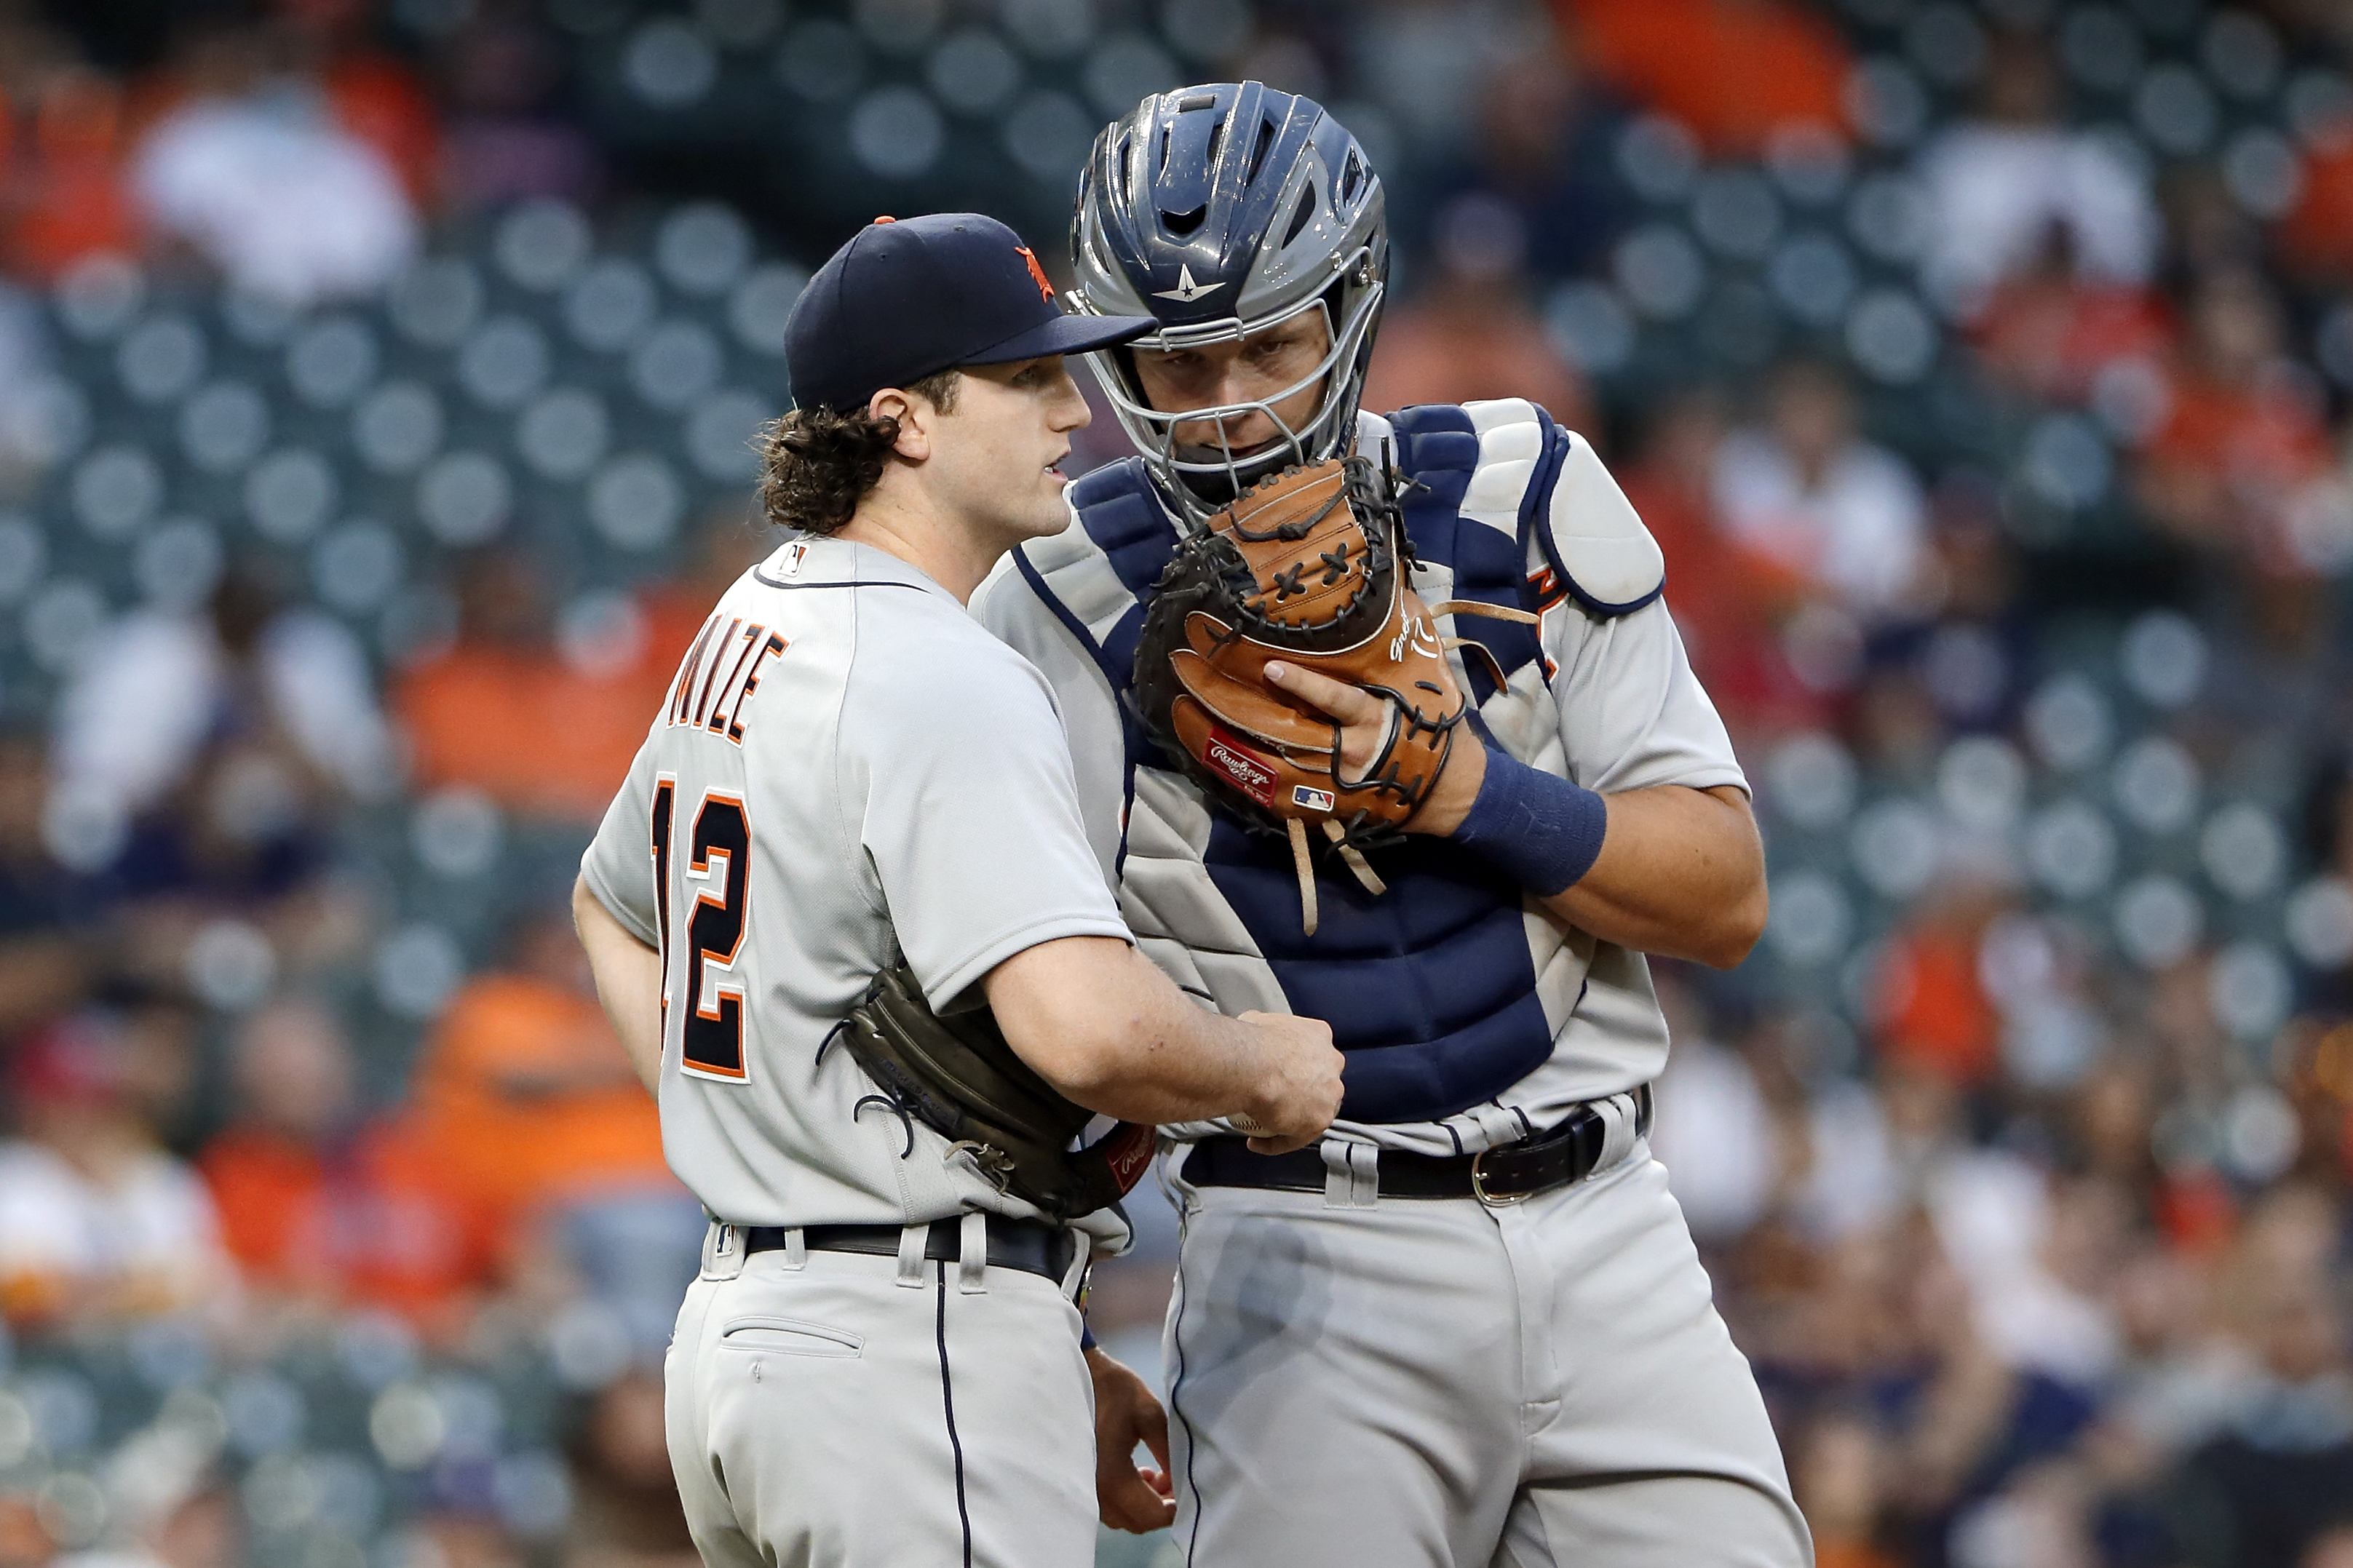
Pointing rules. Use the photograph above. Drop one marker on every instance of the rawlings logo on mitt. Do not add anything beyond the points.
(1308, 568)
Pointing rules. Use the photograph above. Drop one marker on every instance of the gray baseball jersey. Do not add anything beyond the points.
(848, 768)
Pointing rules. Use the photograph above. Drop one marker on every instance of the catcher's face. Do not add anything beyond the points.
(1267, 367)
(994, 458)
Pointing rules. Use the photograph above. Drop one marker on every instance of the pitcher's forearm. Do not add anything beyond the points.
(1105, 1028)
(629, 981)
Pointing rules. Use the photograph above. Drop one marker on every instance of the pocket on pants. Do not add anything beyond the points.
(788, 1336)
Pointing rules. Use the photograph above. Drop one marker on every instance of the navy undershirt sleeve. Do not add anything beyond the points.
(1546, 831)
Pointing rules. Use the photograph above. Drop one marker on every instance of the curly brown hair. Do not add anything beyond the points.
(817, 464)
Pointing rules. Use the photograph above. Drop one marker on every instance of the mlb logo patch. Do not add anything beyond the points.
(1308, 799)
(790, 565)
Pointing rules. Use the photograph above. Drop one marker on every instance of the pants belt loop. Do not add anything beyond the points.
(723, 1251)
(972, 1255)
(911, 1256)
(1074, 1279)
(1352, 1178)
(1618, 1115)
(796, 1248)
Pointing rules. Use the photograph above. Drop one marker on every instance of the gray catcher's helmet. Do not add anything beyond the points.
(1220, 210)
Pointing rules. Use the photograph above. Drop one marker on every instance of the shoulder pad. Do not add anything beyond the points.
(1123, 513)
(1480, 457)
(1593, 538)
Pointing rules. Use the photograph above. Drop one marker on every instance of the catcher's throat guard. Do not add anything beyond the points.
(959, 1077)
(1308, 567)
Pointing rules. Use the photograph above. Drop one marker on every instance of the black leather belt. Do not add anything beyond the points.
(1505, 1174)
(1028, 1245)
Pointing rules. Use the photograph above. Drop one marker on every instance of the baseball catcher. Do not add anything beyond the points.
(1406, 674)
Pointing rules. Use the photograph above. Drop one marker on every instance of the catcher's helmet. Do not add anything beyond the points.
(1220, 210)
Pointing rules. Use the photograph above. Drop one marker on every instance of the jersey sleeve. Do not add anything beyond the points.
(618, 866)
(1632, 714)
(962, 798)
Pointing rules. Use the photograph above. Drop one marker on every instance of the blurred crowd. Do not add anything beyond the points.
(1983, 371)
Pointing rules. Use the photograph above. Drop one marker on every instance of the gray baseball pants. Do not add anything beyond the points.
(1433, 1382)
(833, 1410)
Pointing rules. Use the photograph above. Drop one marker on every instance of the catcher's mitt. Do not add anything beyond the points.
(959, 1077)
(1307, 567)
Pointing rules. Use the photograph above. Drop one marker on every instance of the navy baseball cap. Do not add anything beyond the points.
(908, 298)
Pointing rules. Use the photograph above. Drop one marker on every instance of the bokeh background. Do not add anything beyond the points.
(375, 381)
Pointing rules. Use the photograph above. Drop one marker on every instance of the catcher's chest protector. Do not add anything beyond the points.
(1444, 991)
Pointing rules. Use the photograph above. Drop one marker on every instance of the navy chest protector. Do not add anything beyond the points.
(1430, 990)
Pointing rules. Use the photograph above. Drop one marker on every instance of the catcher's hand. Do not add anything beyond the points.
(1364, 719)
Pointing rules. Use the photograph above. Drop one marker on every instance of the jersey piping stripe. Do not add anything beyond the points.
(760, 576)
(947, 1403)
(1176, 1406)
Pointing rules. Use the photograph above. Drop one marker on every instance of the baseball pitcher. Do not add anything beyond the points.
(844, 914)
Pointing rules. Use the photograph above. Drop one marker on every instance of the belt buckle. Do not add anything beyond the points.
(1479, 1184)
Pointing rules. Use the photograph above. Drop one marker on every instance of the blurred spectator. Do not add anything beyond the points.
(41, 963)
(505, 143)
(1735, 71)
(2053, 329)
(1714, 1135)
(2243, 441)
(625, 1513)
(370, 92)
(1806, 490)
(1997, 183)
(505, 712)
(2282, 1474)
(199, 760)
(70, 199)
(1931, 1010)
(529, 1106)
(1839, 1467)
(325, 1210)
(1541, 146)
(1730, 601)
(97, 1223)
(165, 693)
(173, 1512)
(1471, 333)
(2315, 238)
(1425, 63)
(254, 174)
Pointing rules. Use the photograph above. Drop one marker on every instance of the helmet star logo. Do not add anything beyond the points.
(1186, 291)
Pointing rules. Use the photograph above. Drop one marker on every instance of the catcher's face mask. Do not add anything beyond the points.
(1227, 399)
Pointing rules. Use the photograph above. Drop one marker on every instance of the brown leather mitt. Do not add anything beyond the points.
(1306, 567)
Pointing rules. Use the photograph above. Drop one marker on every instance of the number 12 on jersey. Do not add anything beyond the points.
(718, 870)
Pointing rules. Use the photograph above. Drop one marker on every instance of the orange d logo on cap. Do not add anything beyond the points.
(1037, 274)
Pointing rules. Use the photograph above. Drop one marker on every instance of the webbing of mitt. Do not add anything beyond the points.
(959, 1077)
(1308, 567)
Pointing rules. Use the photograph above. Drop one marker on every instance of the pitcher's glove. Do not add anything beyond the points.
(960, 1076)
(1308, 567)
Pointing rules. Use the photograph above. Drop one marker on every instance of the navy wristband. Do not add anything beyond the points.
(1086, 1336)
(1544, 831)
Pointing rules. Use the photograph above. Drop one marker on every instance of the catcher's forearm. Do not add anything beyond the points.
(1106, 1029)
(629, 981)
(1680, 874)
